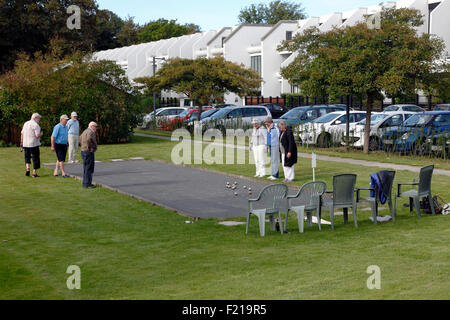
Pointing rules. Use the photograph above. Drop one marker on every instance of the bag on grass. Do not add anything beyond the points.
(438, 204)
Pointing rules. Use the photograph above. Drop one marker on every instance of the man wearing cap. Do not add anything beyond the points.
(59, 139)
(273, 144)
(258, 146)
(88, 143)
(73, 127)
(30, 142)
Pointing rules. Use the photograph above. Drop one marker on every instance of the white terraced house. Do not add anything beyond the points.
(255, 46)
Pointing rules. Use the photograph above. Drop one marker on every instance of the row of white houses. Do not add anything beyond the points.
(255, 46)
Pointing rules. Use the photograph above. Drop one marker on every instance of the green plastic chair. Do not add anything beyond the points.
(343, 191)
(414, 195)
(270, 199)
(375, 201)
(313, 192)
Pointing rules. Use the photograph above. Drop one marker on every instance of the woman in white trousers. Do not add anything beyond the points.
(258, 146)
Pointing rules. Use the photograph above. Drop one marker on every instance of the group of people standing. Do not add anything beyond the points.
(65, 137)
(279, 142)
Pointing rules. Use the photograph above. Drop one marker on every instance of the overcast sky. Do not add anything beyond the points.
(214, 14)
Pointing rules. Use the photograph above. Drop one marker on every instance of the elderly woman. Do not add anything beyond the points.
(288, 150)
(258, 146)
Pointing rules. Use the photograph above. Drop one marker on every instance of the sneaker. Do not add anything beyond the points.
(272, 178)
(91, 186)
(27, 173)
(36, 176)
(285, 180)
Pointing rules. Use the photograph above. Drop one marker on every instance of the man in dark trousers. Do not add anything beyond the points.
(88, 142)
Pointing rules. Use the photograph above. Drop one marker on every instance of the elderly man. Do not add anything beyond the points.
(59, 141)
(30, 142)
(73, 127)
(258, 146)
(273, 144)
(88, 143)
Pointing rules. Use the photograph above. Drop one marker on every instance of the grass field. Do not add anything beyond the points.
(129, 249)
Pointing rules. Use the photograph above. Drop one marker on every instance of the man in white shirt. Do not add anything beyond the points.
(74, 132)
(258, 146)
(30, 142)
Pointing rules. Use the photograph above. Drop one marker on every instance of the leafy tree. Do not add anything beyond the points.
(29, 26)
(97, 90)
(272, 13)
(203, 79)
(128, 34)
(109, 26)
(165, 29)
(358, 60)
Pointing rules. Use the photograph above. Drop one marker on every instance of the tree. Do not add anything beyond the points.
(97, 90)
(29, 26)
(272, 13)
(128, 34)
(165, 29)
(109, 26)
(203, 79)
(358, 60)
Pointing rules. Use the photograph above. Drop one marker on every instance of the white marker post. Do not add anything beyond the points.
(314, 165)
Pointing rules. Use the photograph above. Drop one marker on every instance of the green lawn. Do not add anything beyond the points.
(129, 249)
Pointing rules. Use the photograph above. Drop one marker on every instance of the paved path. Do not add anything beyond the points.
(366, 163)
(189, 191)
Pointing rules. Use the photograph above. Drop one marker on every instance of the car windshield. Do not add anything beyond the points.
(391, 108)
(208, 113)
(374, 119)
(220, 113)
(418, 120)
(184, 113)
(294, 113)
(442, 108)
(327, 118)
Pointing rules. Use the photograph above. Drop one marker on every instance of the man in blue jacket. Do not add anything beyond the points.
(273, 144)
(59, 139)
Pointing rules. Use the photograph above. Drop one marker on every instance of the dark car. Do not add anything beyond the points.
(275, 109)
(306, 114)
(415, 131)
(442, 107)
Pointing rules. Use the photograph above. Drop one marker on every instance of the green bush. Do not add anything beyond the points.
(97, 90)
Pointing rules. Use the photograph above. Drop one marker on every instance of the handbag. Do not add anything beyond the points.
(437, 202)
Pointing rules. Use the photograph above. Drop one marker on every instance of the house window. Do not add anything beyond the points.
(255, 64)
(288, 35)
(295, 88)
(223, 40)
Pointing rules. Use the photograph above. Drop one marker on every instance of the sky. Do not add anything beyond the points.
(215, 14)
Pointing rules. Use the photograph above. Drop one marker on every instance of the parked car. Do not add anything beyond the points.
(442, 107)
(189, 123)
(403, 107)
(415, 131)
(275, 109)
(225, 105)
(328, 128)
(379, 123)
(162, 114)
(235, 117)
(178, 121)
(306, 114)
